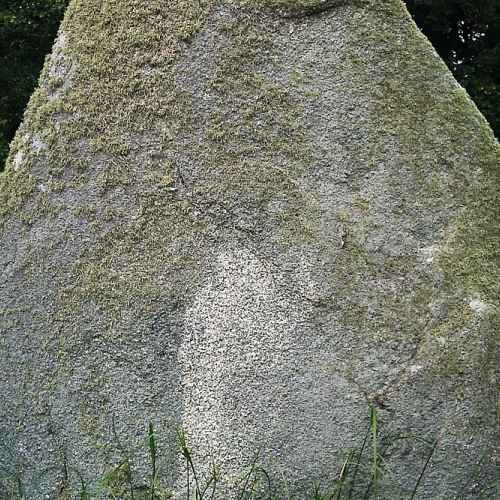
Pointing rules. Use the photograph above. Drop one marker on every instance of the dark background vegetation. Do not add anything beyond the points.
(27, 31)
(466, 33)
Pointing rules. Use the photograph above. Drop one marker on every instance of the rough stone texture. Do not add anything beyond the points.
(252, 218)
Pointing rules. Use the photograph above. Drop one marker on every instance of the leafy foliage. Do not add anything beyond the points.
(27, 31)
(466, 34)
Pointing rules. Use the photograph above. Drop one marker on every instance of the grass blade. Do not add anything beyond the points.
(128, 469)
(152, 452)
(19, 486)
(186, 453)
(373, 426)
(422, 472)
(268, 480)
(344, 471)
(374, 436)
(249, 475)
(358, 462)
(215, 474)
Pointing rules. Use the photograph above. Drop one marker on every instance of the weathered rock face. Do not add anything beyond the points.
(251, 218)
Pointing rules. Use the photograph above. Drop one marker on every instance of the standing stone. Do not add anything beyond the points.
(252, 218)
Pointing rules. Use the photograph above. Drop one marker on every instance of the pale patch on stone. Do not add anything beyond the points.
(59, 68)
(430, 253)
(238, 332)
(57, 57)
(29, 142)
(414, 369)
(60, 42)
(441, 341)
(37, 144)
(478, 306)
(248, 376)
(18, 159)
(277, 207)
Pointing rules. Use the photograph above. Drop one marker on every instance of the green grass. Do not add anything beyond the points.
(359, 475)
